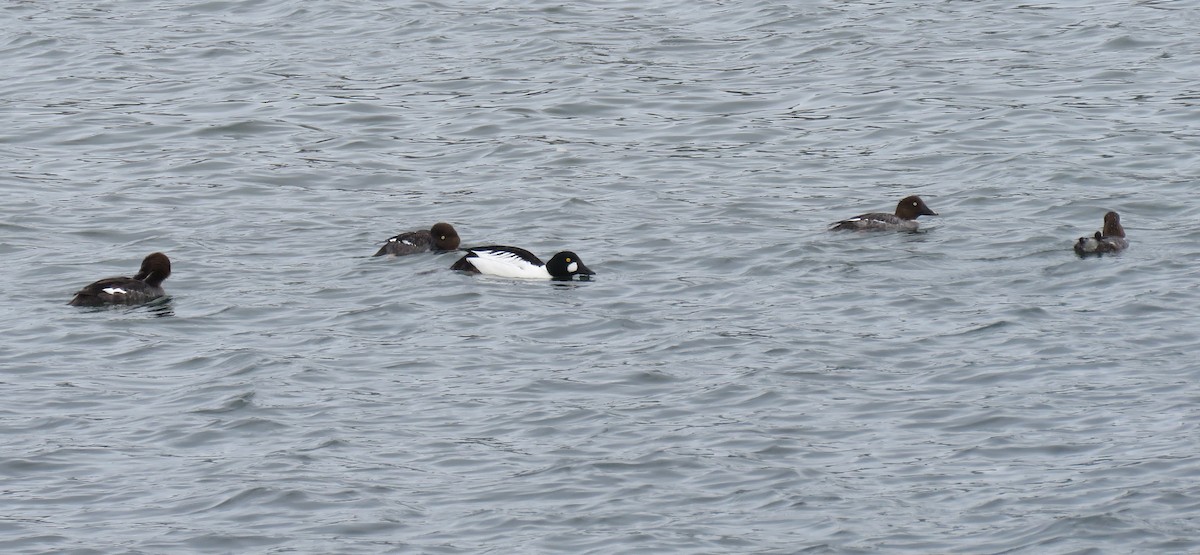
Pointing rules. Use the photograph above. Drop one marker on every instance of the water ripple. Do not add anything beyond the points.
(735, 379)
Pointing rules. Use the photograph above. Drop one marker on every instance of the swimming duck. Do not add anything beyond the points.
(143, 287)
(440, 237)
(1111, 238)
(516, 262)
(905, 218)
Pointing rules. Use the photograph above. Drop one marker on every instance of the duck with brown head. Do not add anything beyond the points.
(1110, 238)
(905, 218)
(143, 287)
(440, 237)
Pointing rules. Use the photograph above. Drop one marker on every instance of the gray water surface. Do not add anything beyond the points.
(736, 379)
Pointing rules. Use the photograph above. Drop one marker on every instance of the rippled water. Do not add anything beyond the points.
(736, 379)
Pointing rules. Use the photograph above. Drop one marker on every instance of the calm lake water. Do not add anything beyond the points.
(736, 379)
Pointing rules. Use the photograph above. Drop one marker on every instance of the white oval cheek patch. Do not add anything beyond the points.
(572, 267)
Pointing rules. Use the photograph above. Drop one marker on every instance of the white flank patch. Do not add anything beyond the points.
(407, 242)
(506, 264)
(114, 291)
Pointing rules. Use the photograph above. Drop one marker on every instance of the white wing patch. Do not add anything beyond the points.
(507, 264)
(114, 291)
(401, 239)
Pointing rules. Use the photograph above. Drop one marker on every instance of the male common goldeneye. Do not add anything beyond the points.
(515, 262)
(905, 218)
(1109, 239)
(440, 237)
(143, 287)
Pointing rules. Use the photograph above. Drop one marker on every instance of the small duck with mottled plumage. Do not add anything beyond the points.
(905, 218)
(1109, 239)
(440, 237)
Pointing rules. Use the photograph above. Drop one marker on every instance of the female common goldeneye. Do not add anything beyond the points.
(905, 218)
(515, 262)
(143, 287)
(440, 237)
(1109, 239)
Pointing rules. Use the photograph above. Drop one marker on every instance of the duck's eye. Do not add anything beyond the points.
(914, 204)
(568, 259)
(443, 237)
